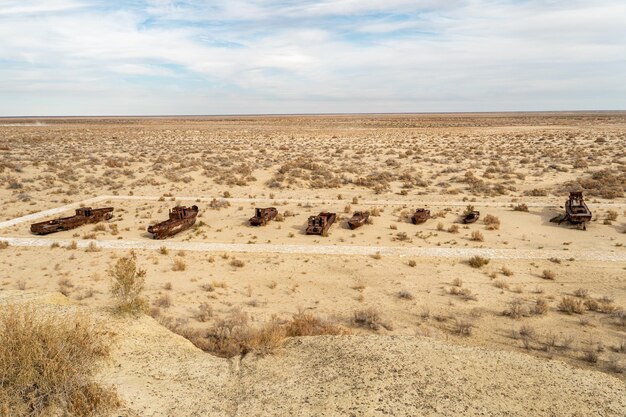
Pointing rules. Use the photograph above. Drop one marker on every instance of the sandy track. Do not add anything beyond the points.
(428, 252)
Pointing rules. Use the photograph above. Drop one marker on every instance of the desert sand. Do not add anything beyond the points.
(484, 328)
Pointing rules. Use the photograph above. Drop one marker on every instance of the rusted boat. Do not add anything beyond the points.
(358, 219)
(420, 216)
(181, 218)
(576, 211)
(319, 225)
(84, 215)
(471, 217)
(263, 215)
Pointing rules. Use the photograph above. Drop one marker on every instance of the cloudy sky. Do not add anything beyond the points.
(110, 57)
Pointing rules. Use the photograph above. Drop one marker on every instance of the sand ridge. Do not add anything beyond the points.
(158, 373)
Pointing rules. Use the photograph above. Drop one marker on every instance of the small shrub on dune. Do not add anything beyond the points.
(492, 222)
(477, 261)
(306, 324)
(571, 305)
(521, 207)
(477, 236)
(47, 365)
(548, 274)
(369, 318)
(127, 284)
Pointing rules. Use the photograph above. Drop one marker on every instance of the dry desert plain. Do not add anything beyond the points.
(550, 293)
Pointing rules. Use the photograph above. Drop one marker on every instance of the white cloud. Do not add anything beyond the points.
(261, 56)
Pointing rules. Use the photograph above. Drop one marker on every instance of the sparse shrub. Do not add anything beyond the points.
(590, 355)
(167, 286)
(440, 226)
(205, 312)
(93, 247)
(477, 236)
(477, 261)
(463, 327)
(501, 285)
(163, 250)
(48, 363)
(179, 265)
(527, 331)
(306, 324)
(72, 245)
(541, 307)
(506, 271)
(234, 336)
(412, 263)
(236, 263)
(164, 301)
(571, 305)
(611, 215)
(548, 274)
(521, 207)
(465, 293)
(581, 293)
(457, 282)
(454, 228)
(405, 295)
(492, 222)
(4, 244)
(516, 309)
(369, 318)
(127, 284)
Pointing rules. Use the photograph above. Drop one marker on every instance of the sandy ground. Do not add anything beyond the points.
(158, 373)
(417, 277)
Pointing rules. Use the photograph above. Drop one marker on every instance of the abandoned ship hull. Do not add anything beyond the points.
(168, 229)
(72, 222)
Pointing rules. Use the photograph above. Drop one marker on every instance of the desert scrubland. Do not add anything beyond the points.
(511, 283)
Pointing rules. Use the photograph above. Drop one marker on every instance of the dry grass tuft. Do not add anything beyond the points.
(179, 265)
(492, 222)
(47, 365)
(306, 324)
(477, 236)
(477, 261)
(369, 318)
(571, 305)
(127, 284)
(548, 274)
(237, 263)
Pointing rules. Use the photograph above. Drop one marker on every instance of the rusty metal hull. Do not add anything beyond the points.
(181, 218)
(263, 215)
(84, 215)
(420, 216)
(576, 211)
(358, 219)
(471, 217)
(319, 225)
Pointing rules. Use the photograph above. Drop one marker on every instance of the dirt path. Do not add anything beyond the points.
(432, 252)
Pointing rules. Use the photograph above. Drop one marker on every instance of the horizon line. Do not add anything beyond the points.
(306, 114)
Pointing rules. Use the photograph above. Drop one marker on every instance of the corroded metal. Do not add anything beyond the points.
(263, 215)
(420, 216)
(181, 218)
(319, 225)
(471, 217)
(84, 215)
(576, 211)
(358, 219)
